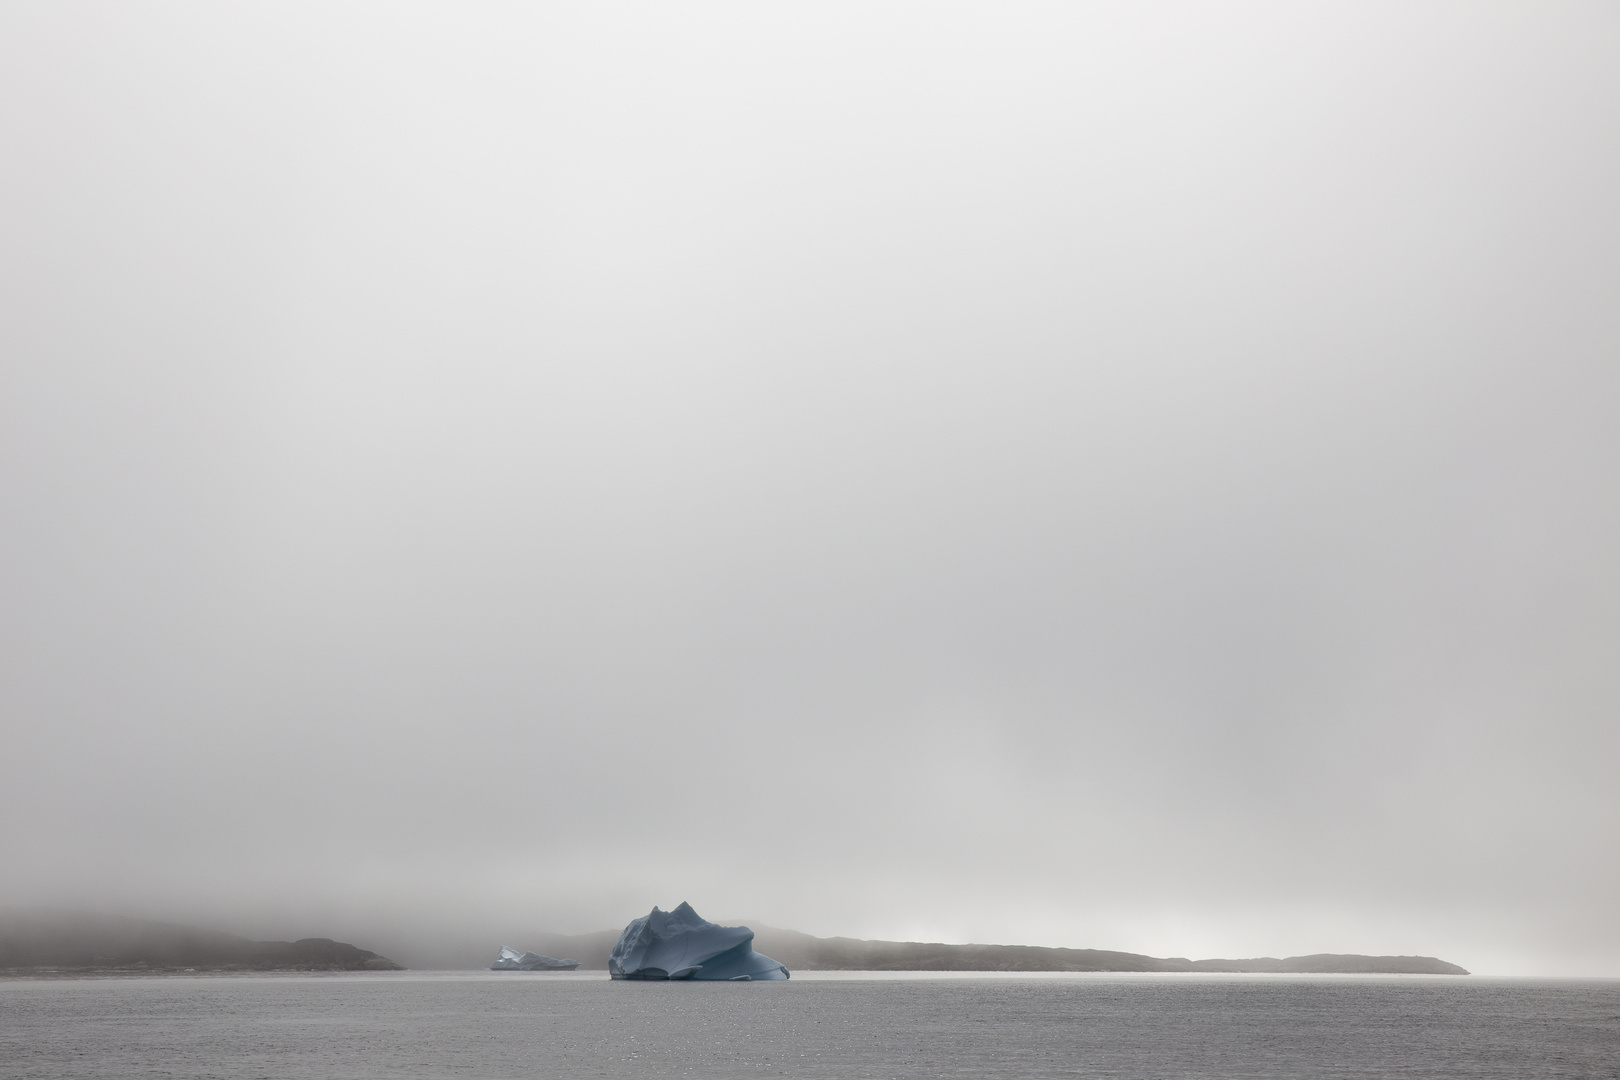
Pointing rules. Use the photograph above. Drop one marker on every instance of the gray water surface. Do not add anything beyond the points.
(510, 1024)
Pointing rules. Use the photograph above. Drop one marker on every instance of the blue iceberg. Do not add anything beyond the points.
(682, 944)
(512, 960)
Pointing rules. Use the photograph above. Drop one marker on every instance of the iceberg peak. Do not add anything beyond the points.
(682, 944)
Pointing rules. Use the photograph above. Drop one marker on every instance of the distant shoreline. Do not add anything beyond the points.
(803, 975)
(77, 944)
(805, 952)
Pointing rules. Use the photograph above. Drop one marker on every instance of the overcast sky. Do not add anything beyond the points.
(1138, 477)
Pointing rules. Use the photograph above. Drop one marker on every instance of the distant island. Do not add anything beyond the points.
(72, 943)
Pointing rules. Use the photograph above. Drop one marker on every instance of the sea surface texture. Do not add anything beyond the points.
(497, 1025)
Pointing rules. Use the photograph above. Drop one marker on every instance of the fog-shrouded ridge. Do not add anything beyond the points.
(76, 942)
(1139, 477)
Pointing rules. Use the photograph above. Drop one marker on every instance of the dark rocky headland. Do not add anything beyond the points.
(75, 943)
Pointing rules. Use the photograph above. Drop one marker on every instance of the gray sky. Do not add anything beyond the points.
(1115, 476)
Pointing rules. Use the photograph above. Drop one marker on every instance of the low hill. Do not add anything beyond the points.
(1336, 964)
(76, 942)
(806, 953)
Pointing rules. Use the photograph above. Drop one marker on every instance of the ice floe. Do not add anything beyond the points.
(512, 960)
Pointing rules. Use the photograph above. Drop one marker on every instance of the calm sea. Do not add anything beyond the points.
(496, 1025)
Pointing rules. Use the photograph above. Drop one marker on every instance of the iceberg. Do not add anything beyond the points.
(682, 944)
(512, 960)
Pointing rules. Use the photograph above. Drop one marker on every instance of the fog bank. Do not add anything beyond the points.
(1134, 478)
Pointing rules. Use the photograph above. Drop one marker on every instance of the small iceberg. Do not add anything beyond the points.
(512, 960)
(682, 944)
